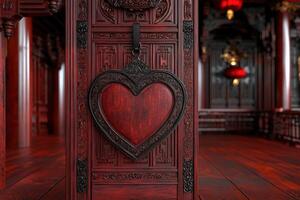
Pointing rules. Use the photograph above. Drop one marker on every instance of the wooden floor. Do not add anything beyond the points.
(231, 167)
(241, 167)
(37, 172)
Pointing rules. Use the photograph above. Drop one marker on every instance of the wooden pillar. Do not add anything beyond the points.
(18, 86)
(53, 84)
(61, 100)
(283, 68)
(201, 80)
(2, 112)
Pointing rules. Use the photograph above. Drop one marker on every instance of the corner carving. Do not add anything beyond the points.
(162, 11)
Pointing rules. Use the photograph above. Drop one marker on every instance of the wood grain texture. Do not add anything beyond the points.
(18, 86)
(2, 113)
(231, 167)
(33, 172)
(12, 86)
(250, 167)
(135, 192)
(136, 117)
(104, 43)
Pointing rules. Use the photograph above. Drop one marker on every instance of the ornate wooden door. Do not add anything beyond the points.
(99, 38)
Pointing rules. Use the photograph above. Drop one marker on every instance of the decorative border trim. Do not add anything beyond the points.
(82, 176)
(134, 5)
(134, 177)
(82, 78)
(137, 76)
(188, 175)
(188, 28)
(82, 34)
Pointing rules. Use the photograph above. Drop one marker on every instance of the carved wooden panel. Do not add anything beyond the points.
(103, 42)
(163, 14)
(136, 107)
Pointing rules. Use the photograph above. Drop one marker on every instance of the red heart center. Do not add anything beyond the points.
(136, 117)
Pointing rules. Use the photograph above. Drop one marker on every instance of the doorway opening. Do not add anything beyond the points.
(35, 114)
(249, 126)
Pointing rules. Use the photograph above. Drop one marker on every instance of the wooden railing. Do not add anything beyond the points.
(278, 125)
(281, 125)
(227, 121)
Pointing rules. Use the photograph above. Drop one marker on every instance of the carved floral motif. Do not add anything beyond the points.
(162, 11)
(134, 177)
(143, 36)
(134, 5)
(107, 11)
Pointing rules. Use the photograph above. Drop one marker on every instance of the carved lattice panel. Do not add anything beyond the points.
(103, 42)
(164, 14)
(104, 59)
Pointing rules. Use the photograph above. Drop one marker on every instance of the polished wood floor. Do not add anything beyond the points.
(231, 168)
(37, 172)
(241, 167)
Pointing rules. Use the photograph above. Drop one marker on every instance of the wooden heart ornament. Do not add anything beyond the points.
(135, 108)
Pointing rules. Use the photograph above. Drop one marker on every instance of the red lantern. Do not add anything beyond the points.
(235, 73)
(231, 6)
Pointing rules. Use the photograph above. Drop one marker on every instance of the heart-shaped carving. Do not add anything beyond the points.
(136, 117)
(137, 107)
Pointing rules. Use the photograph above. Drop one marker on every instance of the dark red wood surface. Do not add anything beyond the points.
(283, 76)
(12, 86)
(243, 167)
(136, 117)
(18, 105)
(36, 172)
(109, 47)
(40, 92)
(2, 112)
(231, 168)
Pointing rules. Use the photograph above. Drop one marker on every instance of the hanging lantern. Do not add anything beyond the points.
(235, 74)
(231, 6)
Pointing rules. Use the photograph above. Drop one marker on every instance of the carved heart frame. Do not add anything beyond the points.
(137, 76)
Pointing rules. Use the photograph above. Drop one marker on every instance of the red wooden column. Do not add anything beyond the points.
(18, 106)
(283, 68)
(2, 111)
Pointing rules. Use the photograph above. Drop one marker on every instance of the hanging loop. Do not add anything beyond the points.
(137, 52)
(136, 45)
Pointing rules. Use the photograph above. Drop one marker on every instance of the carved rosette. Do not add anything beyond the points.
(134, 5)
